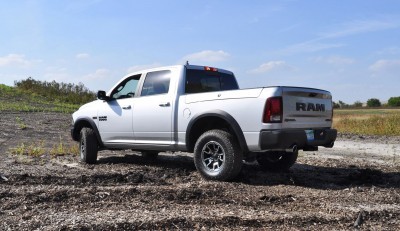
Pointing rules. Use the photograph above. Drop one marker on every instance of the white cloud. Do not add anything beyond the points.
(343, 30)
(384, 65)
(270, 66)
(16, 60)
(142, 67)
(98, 74)
(82, 56)
(206, 56)
(334, 60)
(361, 26)
(309, 47)
(389, 51)
(59, 74)
(289, 28)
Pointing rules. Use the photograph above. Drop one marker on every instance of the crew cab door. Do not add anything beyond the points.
(115, 114)
(152, 113)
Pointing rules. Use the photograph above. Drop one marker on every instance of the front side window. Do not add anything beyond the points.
(198, 81)
(156, 83)
(127, 88)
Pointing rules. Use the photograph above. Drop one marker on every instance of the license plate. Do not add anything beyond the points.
(310, 135)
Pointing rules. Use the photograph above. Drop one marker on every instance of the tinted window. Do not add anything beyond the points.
(206, 81)
(156, 83)
(126, 89)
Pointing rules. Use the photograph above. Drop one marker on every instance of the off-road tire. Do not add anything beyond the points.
(149, 155)
(227, 157)
(277, 161)
(88, 146)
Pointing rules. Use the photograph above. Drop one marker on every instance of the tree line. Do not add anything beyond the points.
(54, 91)
(373, 102)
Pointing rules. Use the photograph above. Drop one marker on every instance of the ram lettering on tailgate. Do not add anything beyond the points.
(310, 107)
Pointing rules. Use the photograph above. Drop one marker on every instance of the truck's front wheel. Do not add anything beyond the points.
(217, 155)
(277, 160)
(88, 146)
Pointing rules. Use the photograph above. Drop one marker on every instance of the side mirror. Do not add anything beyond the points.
(102, 95)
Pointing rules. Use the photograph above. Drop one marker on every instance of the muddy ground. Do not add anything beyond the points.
(357, 183)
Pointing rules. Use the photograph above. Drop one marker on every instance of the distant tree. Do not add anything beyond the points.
(394, 101)
(336, 105)
(373, 102)
(357, 104)
(343, 104)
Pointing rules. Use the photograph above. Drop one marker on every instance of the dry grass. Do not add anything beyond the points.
(37, 149)
(368, 121)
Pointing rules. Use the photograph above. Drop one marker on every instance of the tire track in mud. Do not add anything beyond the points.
(158, 201)
(317, 177)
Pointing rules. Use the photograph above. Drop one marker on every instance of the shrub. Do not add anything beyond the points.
(58, 92)
(374, 102)
(357, 104)
(336, 105)
(343, 104)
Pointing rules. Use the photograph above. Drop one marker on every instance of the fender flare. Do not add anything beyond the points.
(222, 115)
(80, 120)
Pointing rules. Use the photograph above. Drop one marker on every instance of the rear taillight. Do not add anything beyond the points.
(273, 112)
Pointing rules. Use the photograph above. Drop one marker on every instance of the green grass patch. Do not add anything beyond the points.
(62, 149)
(33, 149)
(14, 99)
(20, 123)
(37, 149)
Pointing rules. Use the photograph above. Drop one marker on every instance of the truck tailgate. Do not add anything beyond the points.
(306, 108)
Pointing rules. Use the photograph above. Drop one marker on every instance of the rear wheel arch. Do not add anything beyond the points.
(216, 119)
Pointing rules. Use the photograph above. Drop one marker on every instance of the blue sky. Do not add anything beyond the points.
(351, 48)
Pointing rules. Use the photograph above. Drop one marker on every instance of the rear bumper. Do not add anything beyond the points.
(287, 138)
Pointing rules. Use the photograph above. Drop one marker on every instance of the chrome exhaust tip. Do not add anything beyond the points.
(294, 148)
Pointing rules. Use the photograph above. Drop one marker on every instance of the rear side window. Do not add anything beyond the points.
(206, 81)
(156, 83)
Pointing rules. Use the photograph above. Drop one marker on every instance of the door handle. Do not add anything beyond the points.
(165, 104)
(127, 107)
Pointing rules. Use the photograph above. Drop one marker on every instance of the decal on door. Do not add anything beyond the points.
(102, 118)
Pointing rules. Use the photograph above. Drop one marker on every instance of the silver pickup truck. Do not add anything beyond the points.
(201, 110)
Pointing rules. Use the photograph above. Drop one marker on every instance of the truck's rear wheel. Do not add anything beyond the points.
(277, 160)
(217, 155)
(88, 146)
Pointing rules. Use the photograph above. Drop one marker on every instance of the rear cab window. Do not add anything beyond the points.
(198, 81)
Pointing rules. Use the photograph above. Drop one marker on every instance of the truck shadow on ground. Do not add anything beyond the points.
(318, 177)
(163, 161)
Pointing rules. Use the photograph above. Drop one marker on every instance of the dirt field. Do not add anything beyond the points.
(357, 183)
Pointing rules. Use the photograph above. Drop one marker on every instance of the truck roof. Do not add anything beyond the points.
(188, 66)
